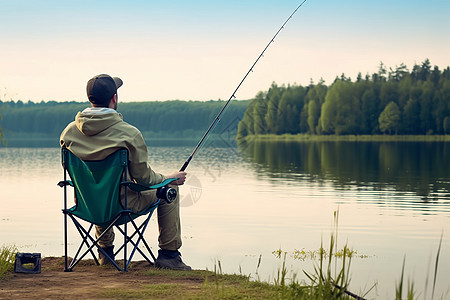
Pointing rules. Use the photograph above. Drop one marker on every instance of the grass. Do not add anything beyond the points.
(330, 278)
(7, 257)
(184, 285)
(411, 293)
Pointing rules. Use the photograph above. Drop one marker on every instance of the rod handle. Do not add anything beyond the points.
(186, 163)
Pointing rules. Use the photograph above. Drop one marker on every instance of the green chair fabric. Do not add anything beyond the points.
(98, 186)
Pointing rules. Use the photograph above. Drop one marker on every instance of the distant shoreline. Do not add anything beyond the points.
(40, 140)
(345, 138)
(24, 140)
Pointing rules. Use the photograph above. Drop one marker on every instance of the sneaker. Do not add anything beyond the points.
(102, 259)
(170, 260)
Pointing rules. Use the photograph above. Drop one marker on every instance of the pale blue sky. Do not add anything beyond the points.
(200, 50)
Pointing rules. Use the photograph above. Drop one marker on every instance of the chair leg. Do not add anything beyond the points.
(86, 236)
(141, 238)
(90, 242)
(125, 240)
(66, 269)
(129, 239)
(141, 231)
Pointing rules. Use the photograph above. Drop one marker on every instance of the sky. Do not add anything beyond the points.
(201, 50)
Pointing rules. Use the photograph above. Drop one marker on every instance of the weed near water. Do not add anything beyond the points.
(7, 255)
(330, 277)
(411, 292)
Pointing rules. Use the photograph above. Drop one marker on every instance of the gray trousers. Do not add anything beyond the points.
(168, 220)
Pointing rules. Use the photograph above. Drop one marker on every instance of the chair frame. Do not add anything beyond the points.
(92, 243)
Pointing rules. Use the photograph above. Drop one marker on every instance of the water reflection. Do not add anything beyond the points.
(417, 168)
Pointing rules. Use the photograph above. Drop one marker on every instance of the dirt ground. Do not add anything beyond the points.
(87, 281)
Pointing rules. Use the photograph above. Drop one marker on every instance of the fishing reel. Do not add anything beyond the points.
(166, 193)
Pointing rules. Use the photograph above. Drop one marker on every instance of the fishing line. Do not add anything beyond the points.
(217, 119)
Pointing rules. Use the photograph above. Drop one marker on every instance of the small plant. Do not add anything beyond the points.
(7, 256)
(411, 294)
(314, 254)
(327, 281)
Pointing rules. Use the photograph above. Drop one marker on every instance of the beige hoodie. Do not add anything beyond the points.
(98, 132)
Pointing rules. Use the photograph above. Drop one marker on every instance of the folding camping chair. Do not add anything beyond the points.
(98, 186)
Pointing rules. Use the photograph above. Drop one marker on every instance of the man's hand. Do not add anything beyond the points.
(181, 177)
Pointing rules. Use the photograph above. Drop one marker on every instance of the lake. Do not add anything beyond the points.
(241, 204)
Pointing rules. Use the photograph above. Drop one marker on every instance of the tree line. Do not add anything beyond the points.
(187, 119)
(391, 101)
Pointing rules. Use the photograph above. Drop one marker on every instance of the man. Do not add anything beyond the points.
(99, 131)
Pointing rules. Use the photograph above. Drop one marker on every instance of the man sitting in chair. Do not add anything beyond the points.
(99, 131)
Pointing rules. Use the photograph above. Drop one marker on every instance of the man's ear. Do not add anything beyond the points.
(113, 102)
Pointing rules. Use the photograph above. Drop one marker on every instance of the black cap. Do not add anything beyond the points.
(101, 88)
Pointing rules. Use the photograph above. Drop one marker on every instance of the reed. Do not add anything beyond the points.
(330, 278)
(411, 293)
(7, 256)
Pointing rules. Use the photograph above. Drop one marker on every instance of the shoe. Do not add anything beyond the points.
(102, 259)
(170, 260)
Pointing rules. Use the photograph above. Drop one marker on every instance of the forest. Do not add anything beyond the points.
(391, 101)
(161, 119)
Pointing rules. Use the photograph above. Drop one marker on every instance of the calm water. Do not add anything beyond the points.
(240, 204)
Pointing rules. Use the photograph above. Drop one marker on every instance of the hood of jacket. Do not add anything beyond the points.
(92, 121)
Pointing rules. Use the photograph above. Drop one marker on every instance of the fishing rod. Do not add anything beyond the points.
(217, 119)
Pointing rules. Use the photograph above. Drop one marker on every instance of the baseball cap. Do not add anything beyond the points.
(101, 88)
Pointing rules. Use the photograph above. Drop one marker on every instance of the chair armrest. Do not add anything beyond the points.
(141, 187)
(63, 183)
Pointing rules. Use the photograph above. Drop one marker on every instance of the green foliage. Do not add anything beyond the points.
(447, 125)
(7, 256)
(288, 113)
(156, 119)
(391, 101)
(314, 99)
(273, 109)
(329, 280)
(422, 97)
(390, 118)
(341, 110)
(328, 285)
(259, 112)
(411, 293)
(329, 111)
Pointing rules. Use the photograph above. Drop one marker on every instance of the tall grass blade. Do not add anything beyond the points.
(436, 266)
(399, 288)
(257, 267)
(427, 278)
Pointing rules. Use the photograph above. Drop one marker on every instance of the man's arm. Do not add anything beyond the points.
(180, 175)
